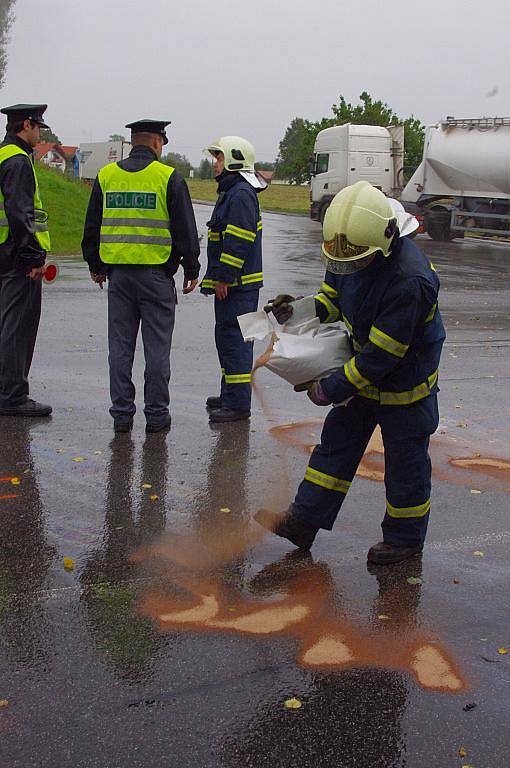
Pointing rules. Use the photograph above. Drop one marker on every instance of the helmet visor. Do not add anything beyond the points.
(341, 249)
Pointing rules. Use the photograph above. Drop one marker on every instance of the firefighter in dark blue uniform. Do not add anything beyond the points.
(234, 271)
(385, 290)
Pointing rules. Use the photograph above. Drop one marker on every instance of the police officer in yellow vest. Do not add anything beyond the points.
(24, 243)
(139, 229)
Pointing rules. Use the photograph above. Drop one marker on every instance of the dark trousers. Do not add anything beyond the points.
(234, 353)
(347, 430)
(140, 296)
(20, 312)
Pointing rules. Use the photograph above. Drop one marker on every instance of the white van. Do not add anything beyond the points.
(345, 154)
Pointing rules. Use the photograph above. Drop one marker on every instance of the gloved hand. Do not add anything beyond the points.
(281, 307)
(314, 392)
(317, 394)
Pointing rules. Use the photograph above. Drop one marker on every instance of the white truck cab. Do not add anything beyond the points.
(345, 154)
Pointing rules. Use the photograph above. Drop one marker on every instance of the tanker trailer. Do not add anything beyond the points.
(463, 182)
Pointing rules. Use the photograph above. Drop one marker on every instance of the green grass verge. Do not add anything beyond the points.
(277, 197)
(66, 201)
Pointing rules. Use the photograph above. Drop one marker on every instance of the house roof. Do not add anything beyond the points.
(42, 149)
(266, 175)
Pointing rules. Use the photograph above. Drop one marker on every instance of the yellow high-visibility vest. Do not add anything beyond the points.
(40, 215)
(135, 228)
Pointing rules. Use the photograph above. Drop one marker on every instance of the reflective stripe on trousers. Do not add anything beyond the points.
(235, 354)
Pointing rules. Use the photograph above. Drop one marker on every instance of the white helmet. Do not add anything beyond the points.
(359, 222)
(239, 156)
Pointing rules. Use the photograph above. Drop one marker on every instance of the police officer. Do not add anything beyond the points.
(385, 290)
(139, 228)
(24, 243)
(234, 271)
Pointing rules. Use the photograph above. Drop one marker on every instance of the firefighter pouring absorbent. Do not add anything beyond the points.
(385, 290)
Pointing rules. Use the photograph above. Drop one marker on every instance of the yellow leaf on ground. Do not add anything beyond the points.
(474, 490)
(502, 651)
(154, 497)
(225, 509)
(77, 458)
(462, 752)
(293, 704)
(478, 553)
(146, 485)
(383, 617)
(68, 563)
(4, 703)
(98, 453)
(15, 481)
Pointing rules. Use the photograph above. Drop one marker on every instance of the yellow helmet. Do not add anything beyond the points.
(239, 153)
(359, 222)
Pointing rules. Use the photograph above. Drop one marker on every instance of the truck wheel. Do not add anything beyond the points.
(438, 230)
(322, 213)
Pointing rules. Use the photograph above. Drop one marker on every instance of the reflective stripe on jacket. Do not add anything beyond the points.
(234, 243)
(40, 216)
(135, 226)
(391, 311)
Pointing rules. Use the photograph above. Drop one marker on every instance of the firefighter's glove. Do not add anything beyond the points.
(314, 392)
(317, 394)
(281, 307)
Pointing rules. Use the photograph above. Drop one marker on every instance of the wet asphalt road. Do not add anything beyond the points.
(90, 681)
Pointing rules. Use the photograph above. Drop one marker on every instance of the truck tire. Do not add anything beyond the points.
(436, 229)
(322, 213)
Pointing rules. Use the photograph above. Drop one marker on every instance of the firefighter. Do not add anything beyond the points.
(24, 243)
(234, 271)
(139, 229)
(386, 291)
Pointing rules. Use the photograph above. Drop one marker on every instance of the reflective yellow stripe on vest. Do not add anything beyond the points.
(40, 216)
(135, 227)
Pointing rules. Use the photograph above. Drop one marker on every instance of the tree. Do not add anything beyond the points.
(48, 135)
(205, 170)
(295, 151)
(6, 19)
(117, 137)
(179, 162)
(296, 147)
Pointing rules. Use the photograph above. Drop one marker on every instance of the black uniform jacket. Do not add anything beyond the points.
(21, 250)
(183, 228)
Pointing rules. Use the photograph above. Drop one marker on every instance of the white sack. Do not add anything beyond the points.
(302, 350)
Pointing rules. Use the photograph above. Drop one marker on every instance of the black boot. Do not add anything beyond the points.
(213, 403)
(386, 554)
(159, 426)
(121, 425)
(28, 408)
(288, 526)
(228, 414)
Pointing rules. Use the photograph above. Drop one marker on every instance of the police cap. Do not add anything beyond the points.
(150, 126)
(18, 112)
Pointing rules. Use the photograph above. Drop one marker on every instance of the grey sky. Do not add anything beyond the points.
(232, 66)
